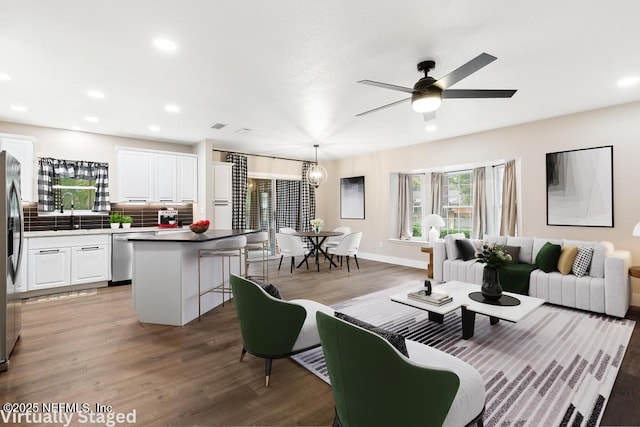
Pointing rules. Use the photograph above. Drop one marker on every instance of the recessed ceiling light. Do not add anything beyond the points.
(96, 94)
(628, 81)
(5, 77)
(165, 45)
(430, 128)
(172, 108)
(154, 128)
(20, 108)
(91, 119)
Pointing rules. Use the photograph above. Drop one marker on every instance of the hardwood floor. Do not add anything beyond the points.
(92, 349)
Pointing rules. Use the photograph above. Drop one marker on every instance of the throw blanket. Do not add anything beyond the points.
(515, 277)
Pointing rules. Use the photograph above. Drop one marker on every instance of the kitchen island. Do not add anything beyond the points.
(165, 275)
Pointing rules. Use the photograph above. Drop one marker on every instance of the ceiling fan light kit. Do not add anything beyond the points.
(427, 93)
(316, 174)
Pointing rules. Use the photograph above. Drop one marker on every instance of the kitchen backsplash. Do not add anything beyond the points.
(143, 216)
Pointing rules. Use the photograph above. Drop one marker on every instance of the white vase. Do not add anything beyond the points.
(115, 225)
(126, 225)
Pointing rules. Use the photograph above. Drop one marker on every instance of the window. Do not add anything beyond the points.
(73, 193)
(457, 202)
(417, 187)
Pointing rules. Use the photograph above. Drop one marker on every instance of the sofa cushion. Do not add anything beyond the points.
(582, 261)
(538, 242)
(495, 240)
(466, 249)
(450, 245)
(600, 252)
(547, 258)
(567, 256)
(394, 339)
(526, 248)
(514, 251)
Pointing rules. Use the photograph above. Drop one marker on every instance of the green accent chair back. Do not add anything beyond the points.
(373, 385)
(269, 326)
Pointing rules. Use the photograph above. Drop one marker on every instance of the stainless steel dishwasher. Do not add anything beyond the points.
(122, 256)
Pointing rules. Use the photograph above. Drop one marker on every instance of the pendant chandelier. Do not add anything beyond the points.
(316, 174)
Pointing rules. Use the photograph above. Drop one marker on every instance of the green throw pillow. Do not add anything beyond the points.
(547, 258)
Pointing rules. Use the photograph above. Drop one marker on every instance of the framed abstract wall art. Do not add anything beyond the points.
(580, 187)
(352, 197)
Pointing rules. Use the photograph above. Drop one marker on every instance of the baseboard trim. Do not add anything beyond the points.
(635, 300)
(394, 260)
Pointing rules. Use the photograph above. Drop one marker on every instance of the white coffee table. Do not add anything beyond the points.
(460, 291)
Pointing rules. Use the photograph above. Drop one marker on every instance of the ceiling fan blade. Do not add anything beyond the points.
(386, 86)
(478, 93)
(465, 70)
(384, 106)
(429, 116)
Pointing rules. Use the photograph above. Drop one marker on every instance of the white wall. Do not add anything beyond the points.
(618, 126)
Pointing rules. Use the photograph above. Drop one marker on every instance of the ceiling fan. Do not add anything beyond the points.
(427, 93)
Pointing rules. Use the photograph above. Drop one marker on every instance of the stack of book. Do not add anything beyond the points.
(434, 298)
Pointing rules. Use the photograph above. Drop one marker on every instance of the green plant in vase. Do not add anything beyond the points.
(115, 218)
(495, 257)
(126, 221)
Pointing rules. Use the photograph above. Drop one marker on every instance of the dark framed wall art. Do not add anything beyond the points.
(352, 197)
(580, 187)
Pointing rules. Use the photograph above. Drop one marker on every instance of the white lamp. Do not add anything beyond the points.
(636, 230)
(433, 221)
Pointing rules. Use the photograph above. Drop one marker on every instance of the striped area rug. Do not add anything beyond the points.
(555, 367)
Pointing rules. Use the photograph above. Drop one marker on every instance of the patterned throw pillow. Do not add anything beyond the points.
(583, 261)
(394, 339)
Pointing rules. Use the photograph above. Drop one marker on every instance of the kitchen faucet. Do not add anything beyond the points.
(62, 204)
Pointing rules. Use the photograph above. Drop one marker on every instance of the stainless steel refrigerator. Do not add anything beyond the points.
(11, 250)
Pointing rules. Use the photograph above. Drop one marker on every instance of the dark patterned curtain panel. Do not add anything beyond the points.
(307, 199)
(239, 189)
(49, 173)
(287, 204)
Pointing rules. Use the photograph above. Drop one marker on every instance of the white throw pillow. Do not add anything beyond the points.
(450, 245)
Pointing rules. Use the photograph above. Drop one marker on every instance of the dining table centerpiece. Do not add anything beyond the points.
(494, 256)
(316, 225)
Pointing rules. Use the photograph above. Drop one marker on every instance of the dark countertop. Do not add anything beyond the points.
(189, 236)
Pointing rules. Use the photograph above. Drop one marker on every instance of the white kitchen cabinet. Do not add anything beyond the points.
(135, 176)
(165, 178)
(222, 217)
(157, 176)
(21, 147)
(187, 178)
(49, 268)
(89, 263)
(68, 260)
(222, 182)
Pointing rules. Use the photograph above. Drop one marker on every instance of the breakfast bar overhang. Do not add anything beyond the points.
(165, 275)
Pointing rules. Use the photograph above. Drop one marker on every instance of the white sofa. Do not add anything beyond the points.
(605, 288)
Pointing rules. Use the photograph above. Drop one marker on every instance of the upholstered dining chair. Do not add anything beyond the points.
(373, 384)
(273, 328)
(290, 246)
(348, 246)
(333, 241)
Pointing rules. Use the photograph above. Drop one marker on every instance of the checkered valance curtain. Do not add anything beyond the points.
(50, 170)
(287, 204)
(239, 190)
(307, 199)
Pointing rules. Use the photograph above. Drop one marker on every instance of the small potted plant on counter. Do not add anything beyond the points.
(115, 218)
(126, 221)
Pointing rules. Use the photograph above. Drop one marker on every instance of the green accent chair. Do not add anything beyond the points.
(273, 328)
(375, 385)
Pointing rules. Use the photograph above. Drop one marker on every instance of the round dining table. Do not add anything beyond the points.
(317, 239)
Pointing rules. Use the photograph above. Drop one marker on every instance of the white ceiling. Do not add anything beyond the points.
(287, 69)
